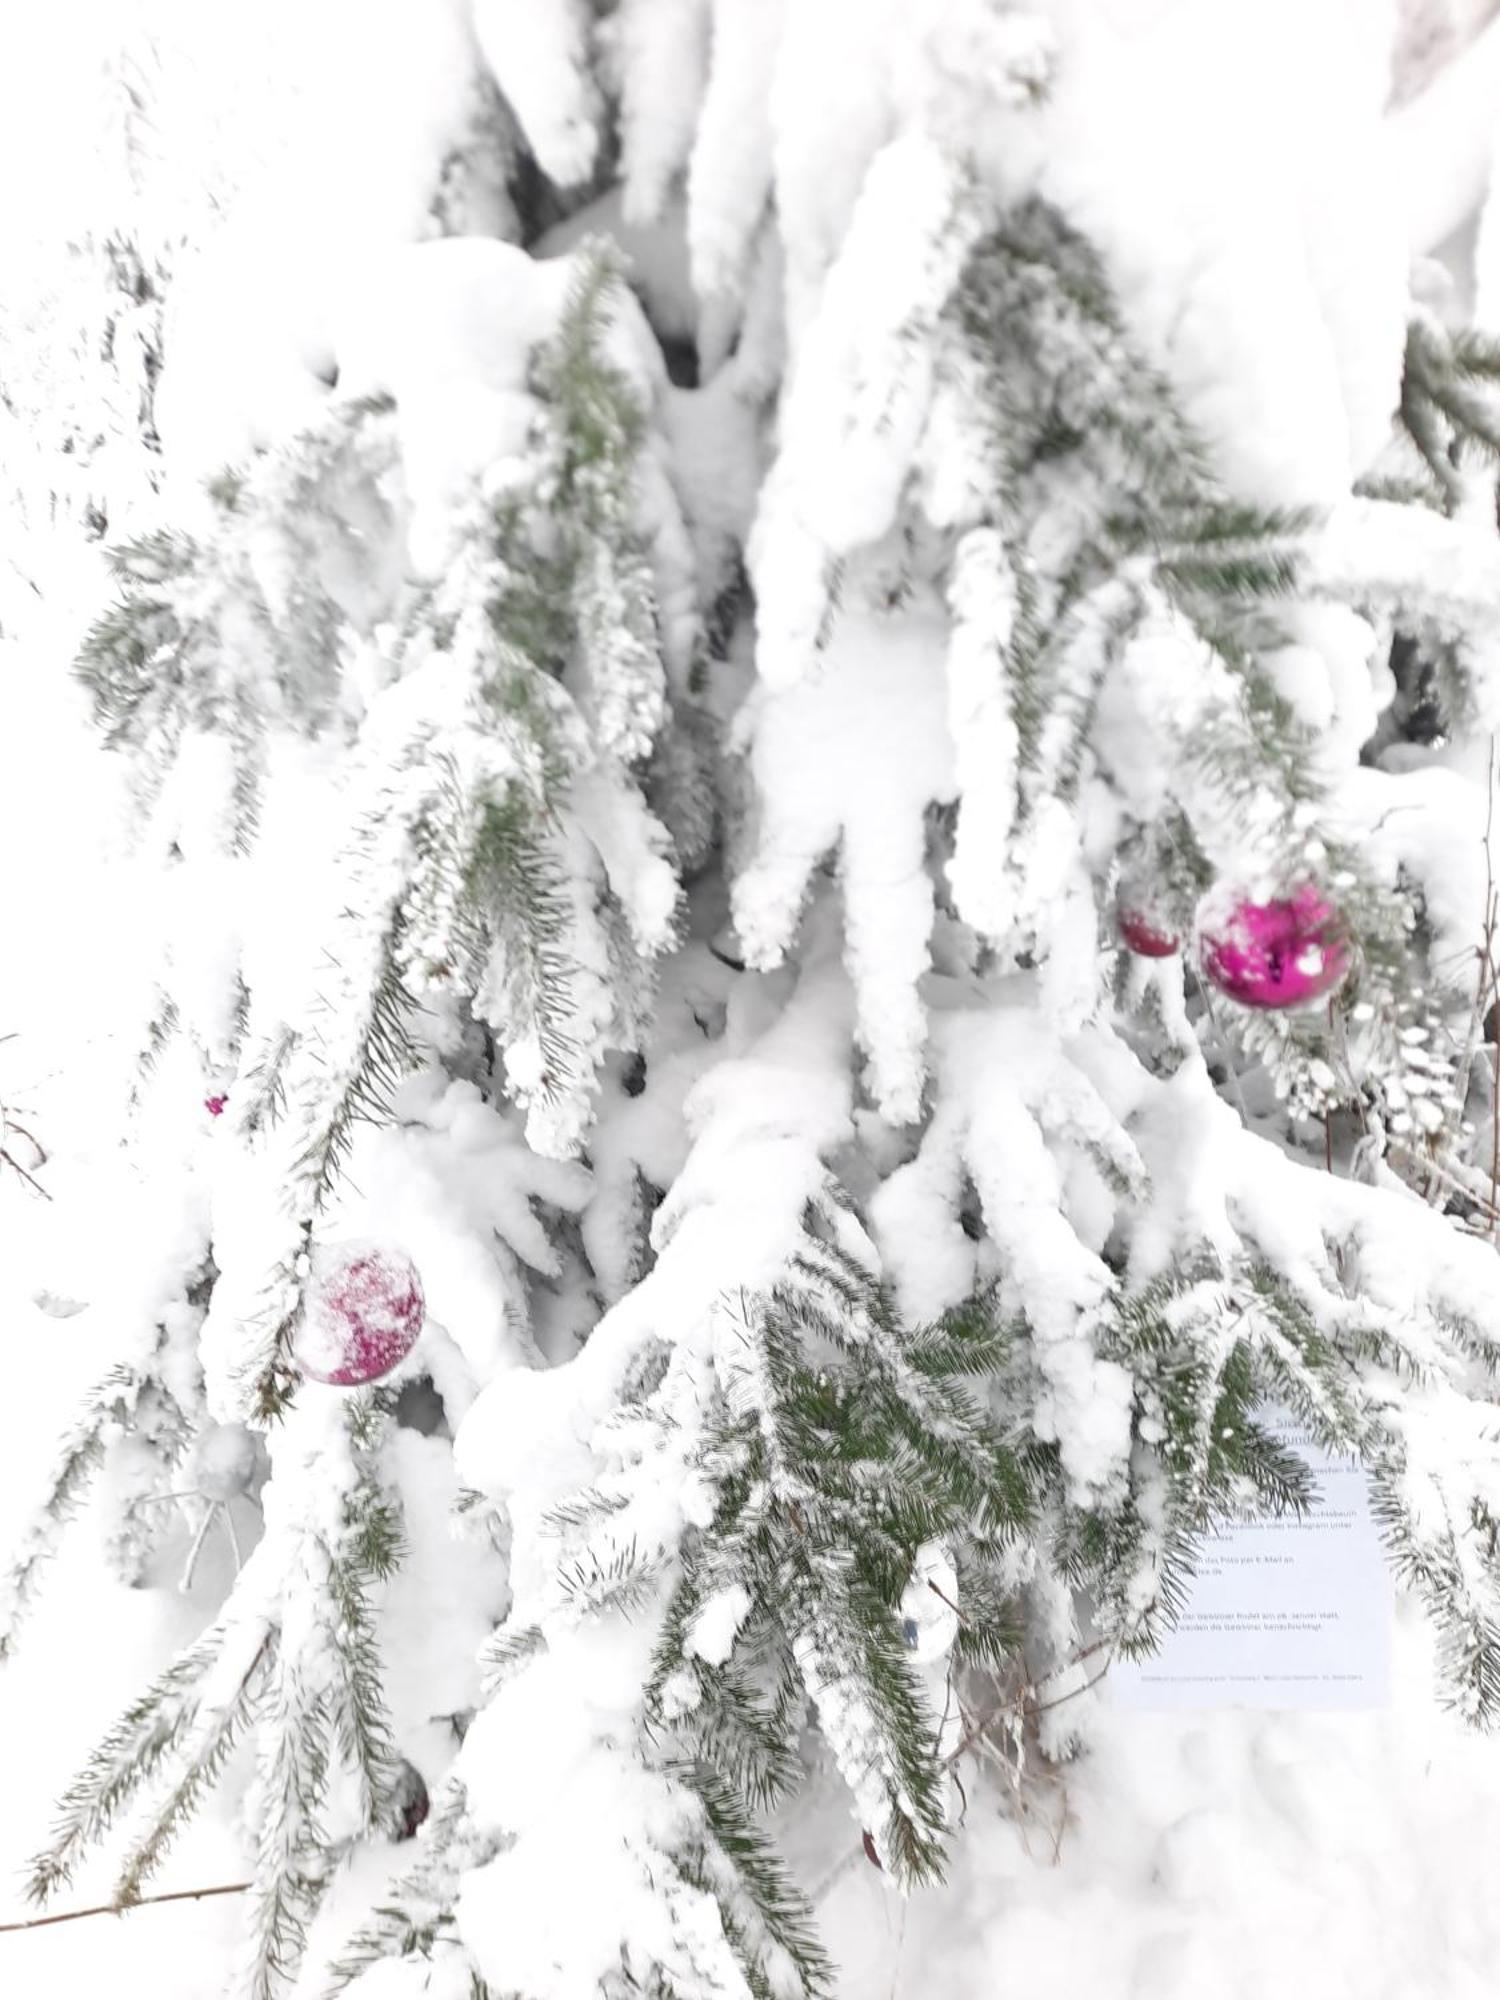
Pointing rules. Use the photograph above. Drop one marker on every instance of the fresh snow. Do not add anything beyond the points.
(1193, 1857)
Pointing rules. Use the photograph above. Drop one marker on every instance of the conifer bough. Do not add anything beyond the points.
(735, 781)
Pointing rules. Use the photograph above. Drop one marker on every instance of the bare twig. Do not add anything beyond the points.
(1040, 1707)
(10, 1124)
(120, 1909)
(1025, 1700)
(29, 1180)
(1443, 1176)
(947, 1600)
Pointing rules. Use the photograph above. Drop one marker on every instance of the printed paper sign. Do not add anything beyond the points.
(1283, 1613)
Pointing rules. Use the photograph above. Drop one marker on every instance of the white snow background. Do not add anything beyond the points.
(1194, 1857)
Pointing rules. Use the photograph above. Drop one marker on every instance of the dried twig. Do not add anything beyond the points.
(1445, 1176)
(1025, 1700)
(8, 1158)
(120, 1909)
(10, 1124)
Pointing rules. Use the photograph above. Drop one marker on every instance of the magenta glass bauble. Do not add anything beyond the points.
(1283, 953)
(361, 1315)
(1145, 938)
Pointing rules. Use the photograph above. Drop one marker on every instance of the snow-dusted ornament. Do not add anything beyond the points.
(1144, 926)
(363, 1312)
(408, 1803)
(929, 1606)
(215, 1105)
(1284, 953)
(1145, 935)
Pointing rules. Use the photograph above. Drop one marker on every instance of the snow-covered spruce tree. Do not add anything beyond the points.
(715, 876)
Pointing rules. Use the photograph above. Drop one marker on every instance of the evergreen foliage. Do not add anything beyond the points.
(1100, 486)
(149, 1407)
(309, 1696)
(1448, 404)
(229, 635)
(514, 680)
(843, 1447)
(828, 1241)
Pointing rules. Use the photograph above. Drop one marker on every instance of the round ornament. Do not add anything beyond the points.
(362, 1314)
(408, 1804)
(1145, 938)
(1284, 953)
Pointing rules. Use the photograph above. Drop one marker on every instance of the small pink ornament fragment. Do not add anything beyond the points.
(409, 1802)
(214, 1106)
(1283, 953)
(363, 1312)
(1144, 938)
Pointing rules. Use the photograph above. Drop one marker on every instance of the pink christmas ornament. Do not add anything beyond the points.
(363, 1312)
(214, 1105)
(1283, 953)
(1143, 937)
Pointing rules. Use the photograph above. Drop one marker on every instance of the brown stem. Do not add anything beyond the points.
(1025, 1701)
(7, 1160)
(1040, 1708)
(119, 1909)
(1444, 1177)
(947, 1600)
